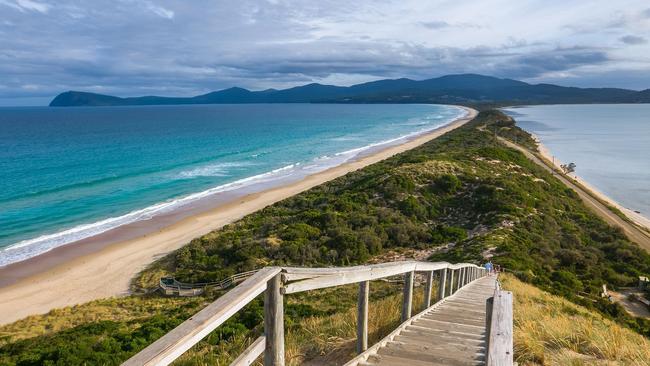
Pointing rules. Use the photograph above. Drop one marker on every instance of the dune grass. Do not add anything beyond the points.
(321, 339)
(550, 330)
(122, 309)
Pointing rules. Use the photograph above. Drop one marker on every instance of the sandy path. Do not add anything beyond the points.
(108, 272)
(634, 233)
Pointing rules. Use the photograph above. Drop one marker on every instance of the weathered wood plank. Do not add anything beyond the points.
(180, 339)
(347, 278)
(362, 316)
(442, 283)
(500, 349)
(407, 301)
(451, 282)
(274, 322)
(463, 333)
(251, 353)
(297, 273)
(427, 289)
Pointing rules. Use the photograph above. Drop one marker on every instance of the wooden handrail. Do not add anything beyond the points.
(275, 282)
(500, 328)
(224, 283)
(173, 344)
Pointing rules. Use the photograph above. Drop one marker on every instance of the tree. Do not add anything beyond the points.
(568, 168)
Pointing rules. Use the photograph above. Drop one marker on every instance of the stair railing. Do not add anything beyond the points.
(275, 282)
(499, 327)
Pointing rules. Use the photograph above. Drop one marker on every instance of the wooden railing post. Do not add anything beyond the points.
(499, 340)
(441, 284)
(427, 289)
(274, 322)
(407, 302)
(362, 316)
(451, 282)
(462, 277)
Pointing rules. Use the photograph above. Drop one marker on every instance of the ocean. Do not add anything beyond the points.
(609, 143)
(71, 173)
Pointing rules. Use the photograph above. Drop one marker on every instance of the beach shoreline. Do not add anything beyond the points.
(636, 218)
(75, 274)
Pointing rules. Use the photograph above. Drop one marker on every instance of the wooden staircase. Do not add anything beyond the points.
(470, 324)
(451, 332)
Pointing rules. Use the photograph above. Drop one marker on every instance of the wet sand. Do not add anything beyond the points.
(103, 266)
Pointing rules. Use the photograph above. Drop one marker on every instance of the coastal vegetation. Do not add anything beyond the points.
(551, 330)
(462, 197)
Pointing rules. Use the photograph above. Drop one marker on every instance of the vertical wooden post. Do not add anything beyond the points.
(441, 284)
(362, 316)
(458, 279)
(461, 283)
(274, 322)
(489, 303)
(451, 282)
(407, 302)
(427, 289)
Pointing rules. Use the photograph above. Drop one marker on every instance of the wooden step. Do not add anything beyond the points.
(451, 333)
(418, 354)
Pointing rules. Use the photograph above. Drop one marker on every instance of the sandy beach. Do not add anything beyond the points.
(635, 217)
(80, 273)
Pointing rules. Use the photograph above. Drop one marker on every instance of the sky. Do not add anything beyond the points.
(190, 47)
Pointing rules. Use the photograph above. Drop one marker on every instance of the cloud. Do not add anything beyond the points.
(436, 24)
(27, 5)
(633, 40)
(177, 47)
(539, 63)
(158, 10)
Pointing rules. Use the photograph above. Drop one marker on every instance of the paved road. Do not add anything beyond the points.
(632, 232)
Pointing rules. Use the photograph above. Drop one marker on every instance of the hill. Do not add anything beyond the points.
(462, 197)
(450, 89)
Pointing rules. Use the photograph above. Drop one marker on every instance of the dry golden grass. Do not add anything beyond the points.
(331, 340)
(116, 309)
(318, 340)
(550, 330)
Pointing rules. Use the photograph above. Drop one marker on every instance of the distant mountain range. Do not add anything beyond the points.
(450, 89)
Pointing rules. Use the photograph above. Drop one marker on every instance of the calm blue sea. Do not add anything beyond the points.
(71, 173)
(610, 144)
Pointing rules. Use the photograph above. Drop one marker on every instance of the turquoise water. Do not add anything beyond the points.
(71, 173)
(610, 144)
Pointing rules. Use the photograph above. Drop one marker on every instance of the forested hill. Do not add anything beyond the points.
(450, 89)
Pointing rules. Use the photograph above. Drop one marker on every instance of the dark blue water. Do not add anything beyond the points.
(609, 143)
(70, 173)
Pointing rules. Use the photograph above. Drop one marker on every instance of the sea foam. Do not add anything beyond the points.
(32, 247)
